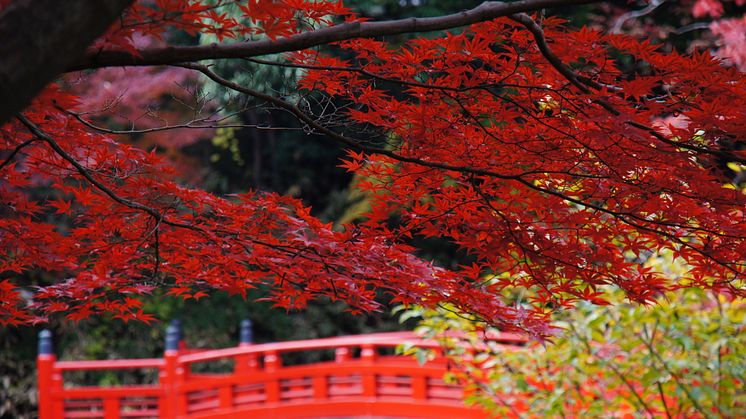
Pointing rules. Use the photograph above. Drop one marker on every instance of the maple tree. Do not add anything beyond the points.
(524, 142)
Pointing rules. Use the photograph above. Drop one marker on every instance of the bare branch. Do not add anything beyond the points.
(43, 136)
(15, 151)
(201, 123)
(350, 142)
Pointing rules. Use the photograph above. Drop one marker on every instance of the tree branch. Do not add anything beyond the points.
(648, 340)
(199, 123)
(43, 136)
(350, 142)
(615, 370)
(158, 216)
(15, 151)
(171, 55)
(639, 222)
(583, 84)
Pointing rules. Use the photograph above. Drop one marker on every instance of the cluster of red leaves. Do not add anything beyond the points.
(54, 220)
(564, 188)
(550, 185)
(730, 31)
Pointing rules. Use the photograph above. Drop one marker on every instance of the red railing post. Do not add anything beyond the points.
(320, 387)
(272, 362)
(167, 404)
(341, 354)
(168, 375)
(111, 407)
(58, 402)
(368, 355)
(182, 374)
(46, 380)
(419, 387)
(245, 363)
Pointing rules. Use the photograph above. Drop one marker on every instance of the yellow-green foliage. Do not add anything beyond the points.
(225, 139)
(684, 357)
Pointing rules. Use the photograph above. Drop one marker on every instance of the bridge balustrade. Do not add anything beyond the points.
(362, 378)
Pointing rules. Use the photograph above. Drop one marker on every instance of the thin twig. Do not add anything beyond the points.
(15, 151)
(616, 372)
(195, 124)
(663, 399)
(651, 349)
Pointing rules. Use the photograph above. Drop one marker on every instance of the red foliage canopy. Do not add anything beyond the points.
(520, 140)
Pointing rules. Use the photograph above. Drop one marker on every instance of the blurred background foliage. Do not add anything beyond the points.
(290, 161)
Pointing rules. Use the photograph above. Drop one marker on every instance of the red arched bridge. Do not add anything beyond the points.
(363, 379)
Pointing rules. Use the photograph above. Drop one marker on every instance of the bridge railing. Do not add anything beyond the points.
(363, 377)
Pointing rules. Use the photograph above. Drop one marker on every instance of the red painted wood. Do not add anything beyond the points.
(111, 408)
(342, 354)
(77, 393)
(226, 397)
(182, 376)
(352, 407)
(368, 384)
(168, 383)
(45, 367)
(109, 364)
(419, 387)
(320, 387)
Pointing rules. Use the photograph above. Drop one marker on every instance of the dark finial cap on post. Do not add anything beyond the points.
(173, 335)
(247, 334)
(46, 347)
(177, 324)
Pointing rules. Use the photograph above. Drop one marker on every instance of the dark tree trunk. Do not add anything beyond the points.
(41, 38)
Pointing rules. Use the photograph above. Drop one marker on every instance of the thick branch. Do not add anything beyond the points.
(172, 55)
(40, 38)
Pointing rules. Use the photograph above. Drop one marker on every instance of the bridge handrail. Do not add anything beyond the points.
(386, 339)
(109, 364)
(378, 340)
